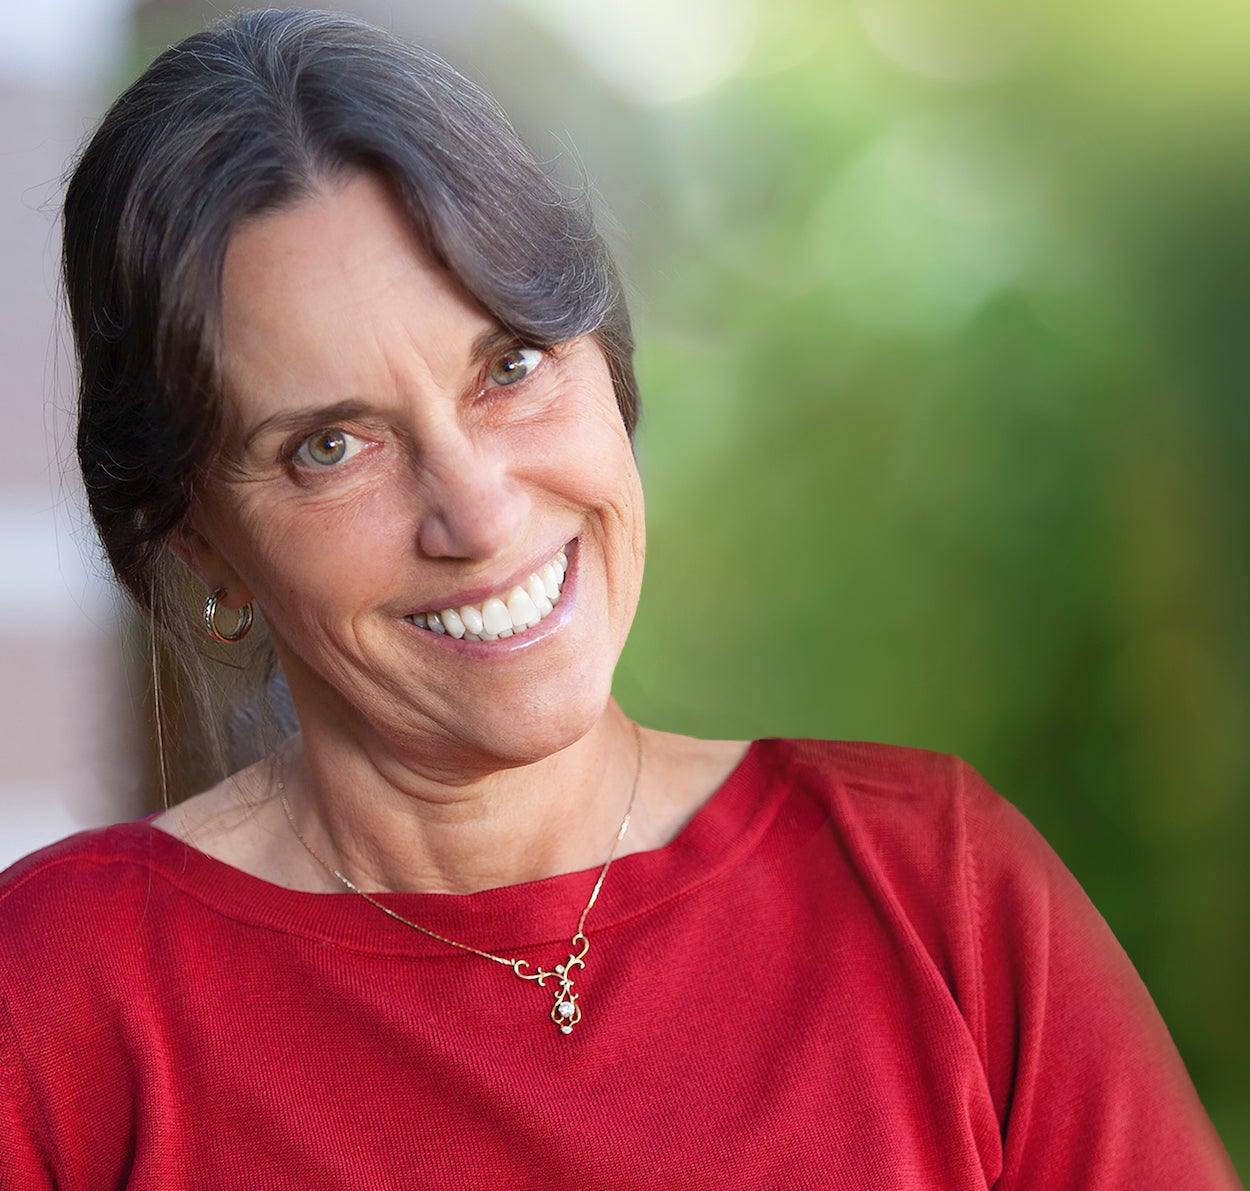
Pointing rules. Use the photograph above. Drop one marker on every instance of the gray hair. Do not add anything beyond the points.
(243, 119)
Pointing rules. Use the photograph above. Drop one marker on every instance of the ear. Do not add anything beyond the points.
(207, 563)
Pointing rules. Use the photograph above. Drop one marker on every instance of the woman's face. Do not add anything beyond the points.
(392, 453)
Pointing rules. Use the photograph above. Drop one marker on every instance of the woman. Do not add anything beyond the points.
(352, 361)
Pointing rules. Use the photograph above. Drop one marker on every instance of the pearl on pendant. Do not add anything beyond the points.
(566, 1029)
(565, 1009)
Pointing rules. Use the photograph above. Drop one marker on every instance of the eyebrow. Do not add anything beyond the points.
(490, 341)
(314, 416)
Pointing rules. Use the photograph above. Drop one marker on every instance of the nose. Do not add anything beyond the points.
(475, 507)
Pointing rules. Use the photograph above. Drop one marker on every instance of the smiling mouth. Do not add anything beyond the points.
(506, 615)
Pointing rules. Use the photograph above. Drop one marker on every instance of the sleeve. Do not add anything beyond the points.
(1090, 1090)
(23, 1164)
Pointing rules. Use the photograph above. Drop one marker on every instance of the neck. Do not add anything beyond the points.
(393, 825)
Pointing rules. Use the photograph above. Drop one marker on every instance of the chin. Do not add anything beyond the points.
(541, 727)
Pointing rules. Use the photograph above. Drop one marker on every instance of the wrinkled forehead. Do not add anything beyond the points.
(337, 296)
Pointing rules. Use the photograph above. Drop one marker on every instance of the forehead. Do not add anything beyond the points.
(321, 295)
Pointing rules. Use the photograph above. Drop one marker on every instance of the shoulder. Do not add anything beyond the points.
(89, 858)
(86, 878)
(73, 950)
(930, 841)
(887, 771)
(935, 831)
(1074, 1054)
(894, 793)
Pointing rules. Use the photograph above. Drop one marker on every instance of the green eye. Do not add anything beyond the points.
(515, 365)
(327, 448)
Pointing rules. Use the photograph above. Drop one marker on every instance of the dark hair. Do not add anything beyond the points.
(246, 118)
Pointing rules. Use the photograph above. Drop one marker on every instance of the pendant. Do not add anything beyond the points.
(565, 1012)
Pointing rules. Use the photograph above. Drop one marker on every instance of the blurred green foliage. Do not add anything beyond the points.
(946, 444)
(941, 318)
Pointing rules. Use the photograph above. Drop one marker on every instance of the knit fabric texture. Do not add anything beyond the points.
(856, 967)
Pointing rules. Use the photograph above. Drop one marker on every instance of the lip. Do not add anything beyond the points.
(548, 625)
(475, 595)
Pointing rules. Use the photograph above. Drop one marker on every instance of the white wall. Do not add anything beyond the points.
(66, 721)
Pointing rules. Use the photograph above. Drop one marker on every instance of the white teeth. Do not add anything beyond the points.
(538, 593)
(495, 618)
(521, 608)
(551, 582)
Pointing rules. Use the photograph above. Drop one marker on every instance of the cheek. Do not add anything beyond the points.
(612, 488)
(583, 439)
(318, 556)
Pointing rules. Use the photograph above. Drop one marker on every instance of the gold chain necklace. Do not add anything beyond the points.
(566, 1012)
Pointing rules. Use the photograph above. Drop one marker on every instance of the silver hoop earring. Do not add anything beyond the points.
(239, 631)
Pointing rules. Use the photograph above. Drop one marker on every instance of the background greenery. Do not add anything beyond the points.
(942, 341)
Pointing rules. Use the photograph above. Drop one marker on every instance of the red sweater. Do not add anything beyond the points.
(857, 967)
